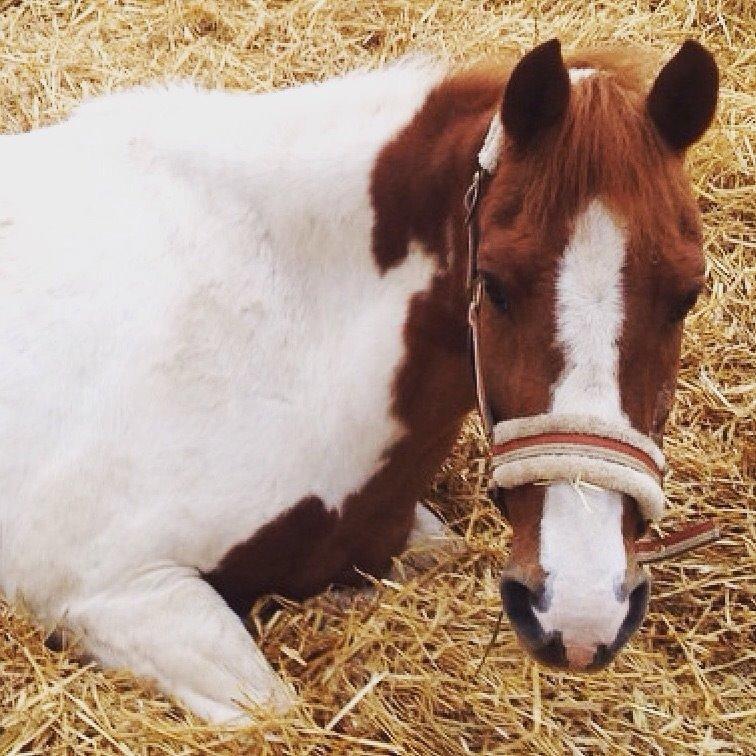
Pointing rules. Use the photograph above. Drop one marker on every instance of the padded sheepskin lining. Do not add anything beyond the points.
(536, 425)
(570, 462)
(488, 157)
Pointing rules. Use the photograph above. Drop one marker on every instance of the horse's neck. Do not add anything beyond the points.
(297, 170)
(419, 183)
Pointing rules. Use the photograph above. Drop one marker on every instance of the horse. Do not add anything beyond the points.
(235, 347)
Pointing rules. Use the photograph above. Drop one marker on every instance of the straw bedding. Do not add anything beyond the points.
(396, 673)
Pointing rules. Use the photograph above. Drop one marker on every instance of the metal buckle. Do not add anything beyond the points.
(476, 295)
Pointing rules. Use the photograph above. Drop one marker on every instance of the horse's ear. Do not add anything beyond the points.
(683, 99)
(537, 93)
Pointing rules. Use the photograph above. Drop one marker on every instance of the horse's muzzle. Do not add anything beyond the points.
(549, 648)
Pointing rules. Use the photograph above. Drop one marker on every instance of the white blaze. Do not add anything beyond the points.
(581, 547)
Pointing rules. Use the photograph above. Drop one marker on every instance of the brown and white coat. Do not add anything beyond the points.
(233, 343)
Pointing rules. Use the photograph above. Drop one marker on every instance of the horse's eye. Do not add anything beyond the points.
(495, 291)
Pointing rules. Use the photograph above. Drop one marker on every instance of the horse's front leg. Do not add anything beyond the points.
(429, 533)
(169, 625)
(429, 536)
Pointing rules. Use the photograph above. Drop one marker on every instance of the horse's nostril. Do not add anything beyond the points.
(551, 651)
(519, 600)
(603, 656)
(638, 601)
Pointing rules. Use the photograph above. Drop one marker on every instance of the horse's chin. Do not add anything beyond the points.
(552, 655)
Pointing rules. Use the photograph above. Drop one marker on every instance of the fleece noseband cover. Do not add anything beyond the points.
(568, 448)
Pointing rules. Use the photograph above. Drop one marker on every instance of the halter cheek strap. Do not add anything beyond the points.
(475, 295)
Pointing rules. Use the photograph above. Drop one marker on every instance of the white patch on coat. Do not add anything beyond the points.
(195, 336)
(578, 74)
(581, 546)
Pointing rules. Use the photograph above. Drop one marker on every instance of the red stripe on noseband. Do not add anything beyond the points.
(579, 439)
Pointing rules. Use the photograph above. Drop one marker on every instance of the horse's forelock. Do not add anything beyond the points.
(605, 146)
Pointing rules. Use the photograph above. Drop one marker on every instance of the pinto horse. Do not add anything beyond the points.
(234, 347)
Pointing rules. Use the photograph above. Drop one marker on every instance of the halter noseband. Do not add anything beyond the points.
(563, 447)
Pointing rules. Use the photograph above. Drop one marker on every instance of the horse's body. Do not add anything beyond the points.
(195, 338)
(232, 354)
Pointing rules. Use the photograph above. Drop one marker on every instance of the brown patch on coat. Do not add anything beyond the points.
(421, 176)
(418, 185)
(524, 508)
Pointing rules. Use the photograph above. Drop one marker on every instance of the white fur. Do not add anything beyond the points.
(578, 74)
(428, 529)
(488, 157)
(581, 546)
(194, 337)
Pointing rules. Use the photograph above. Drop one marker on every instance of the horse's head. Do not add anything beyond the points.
(590, 257)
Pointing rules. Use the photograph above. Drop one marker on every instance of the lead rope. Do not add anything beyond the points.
(491, 644)
(687, 538)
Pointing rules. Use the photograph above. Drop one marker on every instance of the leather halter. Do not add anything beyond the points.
(475, 293)
(631, 454)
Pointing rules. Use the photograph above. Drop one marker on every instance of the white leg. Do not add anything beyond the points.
(429, 534)
(171, 626)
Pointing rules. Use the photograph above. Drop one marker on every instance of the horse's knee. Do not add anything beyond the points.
(176, 631)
